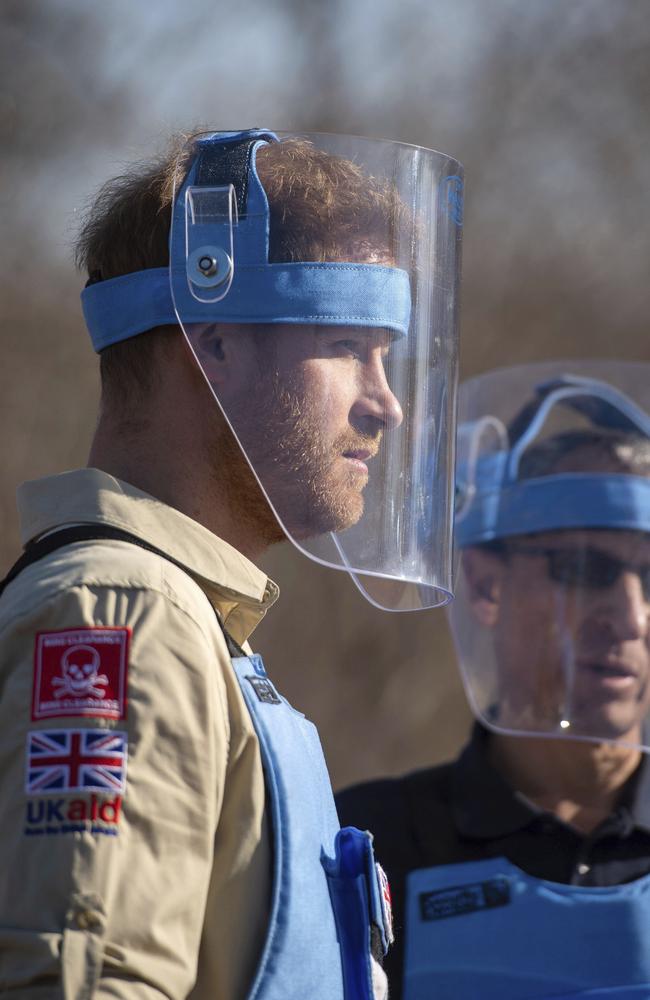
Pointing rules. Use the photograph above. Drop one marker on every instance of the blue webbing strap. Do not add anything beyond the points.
(355, 893)
(336, 294)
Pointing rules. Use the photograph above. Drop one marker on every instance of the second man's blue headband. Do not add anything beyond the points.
(494, 503)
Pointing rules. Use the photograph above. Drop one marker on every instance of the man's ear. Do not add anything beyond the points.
(209, 345)
(228, 355)
(484, 575)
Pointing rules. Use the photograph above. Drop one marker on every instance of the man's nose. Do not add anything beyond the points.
(376, 400)
(625, 607)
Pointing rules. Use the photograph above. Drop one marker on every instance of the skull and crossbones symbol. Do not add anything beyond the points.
(80, 673)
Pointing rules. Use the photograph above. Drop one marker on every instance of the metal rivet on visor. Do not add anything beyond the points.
(209, 267)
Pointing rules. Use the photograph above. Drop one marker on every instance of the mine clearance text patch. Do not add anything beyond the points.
(81, 672)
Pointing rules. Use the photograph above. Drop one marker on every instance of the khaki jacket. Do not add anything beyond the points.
(135, 854)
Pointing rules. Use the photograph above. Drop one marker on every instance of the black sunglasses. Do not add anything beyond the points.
(585, 567)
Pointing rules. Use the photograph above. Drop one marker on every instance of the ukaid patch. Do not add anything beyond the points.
(81, 672)
(46, 815)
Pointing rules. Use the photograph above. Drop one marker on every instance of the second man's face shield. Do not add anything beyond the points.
(551, 618)
(316, 280)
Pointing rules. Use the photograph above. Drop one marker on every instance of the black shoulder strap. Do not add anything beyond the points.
(95, 532)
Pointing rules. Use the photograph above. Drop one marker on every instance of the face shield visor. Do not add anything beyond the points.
(550, 620)
(315, 279)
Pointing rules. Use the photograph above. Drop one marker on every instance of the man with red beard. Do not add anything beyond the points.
(522, 869)
(277, 338)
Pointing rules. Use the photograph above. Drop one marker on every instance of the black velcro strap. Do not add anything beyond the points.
(96, 532)
(225, 163)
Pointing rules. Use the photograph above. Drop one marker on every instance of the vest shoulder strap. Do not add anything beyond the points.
(42, 547)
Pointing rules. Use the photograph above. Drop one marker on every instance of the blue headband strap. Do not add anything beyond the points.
(323, 293)
(557, 502)
(337, 294)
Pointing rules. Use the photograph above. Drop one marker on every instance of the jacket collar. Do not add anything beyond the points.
(485, 806)
(238, 590)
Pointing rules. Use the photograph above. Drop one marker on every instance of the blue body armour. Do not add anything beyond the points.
(326, 892)
(486, 930)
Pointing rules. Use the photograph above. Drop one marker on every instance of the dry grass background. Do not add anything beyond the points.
(546, 104)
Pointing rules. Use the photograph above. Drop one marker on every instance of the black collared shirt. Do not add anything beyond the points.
(465, 811)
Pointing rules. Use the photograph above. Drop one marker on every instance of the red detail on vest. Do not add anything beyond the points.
(386, 903)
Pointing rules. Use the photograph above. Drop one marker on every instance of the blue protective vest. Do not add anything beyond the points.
(326, 891)
(485, 930)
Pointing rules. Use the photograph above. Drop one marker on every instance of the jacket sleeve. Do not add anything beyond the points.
(108, 813)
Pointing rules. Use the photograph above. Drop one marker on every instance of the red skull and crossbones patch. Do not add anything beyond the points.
(81, 672)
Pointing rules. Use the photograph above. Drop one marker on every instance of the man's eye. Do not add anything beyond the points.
(351, 347)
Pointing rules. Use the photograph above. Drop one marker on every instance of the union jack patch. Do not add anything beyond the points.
(74, 760)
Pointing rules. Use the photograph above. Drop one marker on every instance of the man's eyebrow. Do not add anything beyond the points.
(371, 335)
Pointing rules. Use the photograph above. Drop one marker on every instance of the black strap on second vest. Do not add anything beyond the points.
(97, 532)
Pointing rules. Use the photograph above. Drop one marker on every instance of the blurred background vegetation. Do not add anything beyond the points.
(546, 104)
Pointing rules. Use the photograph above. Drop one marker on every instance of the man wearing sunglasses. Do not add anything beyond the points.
(523, 868)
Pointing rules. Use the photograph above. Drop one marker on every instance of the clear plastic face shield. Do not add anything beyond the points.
(315, 278)
(552, 610)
